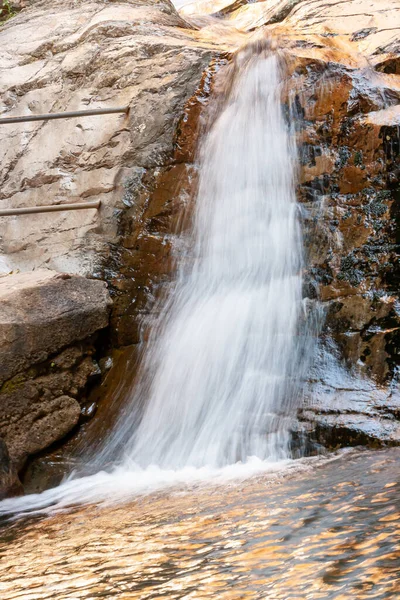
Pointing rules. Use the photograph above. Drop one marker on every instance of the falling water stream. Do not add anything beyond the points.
(223, 365)
(221, 378)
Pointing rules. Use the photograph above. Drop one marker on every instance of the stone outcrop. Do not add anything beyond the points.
(43, 311)
(129, 53)
(47, 326)
(81, 55)
(165, 195)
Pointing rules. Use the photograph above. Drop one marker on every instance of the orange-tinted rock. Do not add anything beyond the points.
(146, 260)
(349, 175)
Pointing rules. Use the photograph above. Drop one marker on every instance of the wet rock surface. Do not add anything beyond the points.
(350, 411)
(152, 229)
(349, 186)
(9, 483)
(345, 96)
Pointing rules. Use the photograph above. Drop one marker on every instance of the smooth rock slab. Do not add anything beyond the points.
(56, 56)
(42, 312)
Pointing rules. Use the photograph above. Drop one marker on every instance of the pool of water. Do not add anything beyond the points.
(331, 530)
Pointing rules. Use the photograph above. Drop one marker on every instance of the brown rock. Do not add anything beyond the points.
(9, 482)
(55, 420)
(46, 422)
(41, 314)
(165, 197)
(41, 405)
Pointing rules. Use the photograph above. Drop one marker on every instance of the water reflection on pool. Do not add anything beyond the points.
(330, 532)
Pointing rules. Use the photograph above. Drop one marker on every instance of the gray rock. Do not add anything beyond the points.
(42, 312)
(81, 55)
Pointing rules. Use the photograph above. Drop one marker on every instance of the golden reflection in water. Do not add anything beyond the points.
(330, 532)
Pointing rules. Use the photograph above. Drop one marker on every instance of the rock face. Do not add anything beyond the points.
(343, 87)
(42, 311)
(346, 90)
(62, 55)
(162, 201)
(47, 324)
(9, 483)
(130, 53)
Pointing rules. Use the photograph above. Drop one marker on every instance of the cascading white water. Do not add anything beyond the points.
(223, 363)
(221, 375)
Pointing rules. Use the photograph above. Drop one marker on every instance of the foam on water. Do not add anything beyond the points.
(122, 484)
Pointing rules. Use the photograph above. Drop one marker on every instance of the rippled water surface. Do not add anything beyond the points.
(329, 531)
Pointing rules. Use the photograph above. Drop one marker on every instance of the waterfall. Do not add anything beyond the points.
(221, 377)
(222, 368)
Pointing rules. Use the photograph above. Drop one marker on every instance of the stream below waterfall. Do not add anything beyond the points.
(329, 530)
